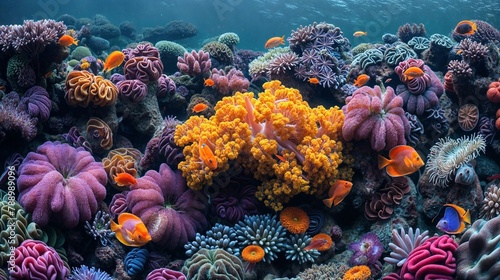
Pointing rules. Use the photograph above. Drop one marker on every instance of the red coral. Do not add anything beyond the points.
(448, 82)
(433, 259)
(493, 92)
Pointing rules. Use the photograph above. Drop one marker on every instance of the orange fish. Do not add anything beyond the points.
(454, 219)
(320, 242)
(361, 80)
(209, 82)
(113, 60)
(337, 193)
(403, 160)
(67, 40)
(281, 158)
(388, 80)
(124, 179)
(466, 27)
(314, 81)
(359, 33)
(274, 42)
(200, 107)
(207, 156)
(130, 230)
(411, 73)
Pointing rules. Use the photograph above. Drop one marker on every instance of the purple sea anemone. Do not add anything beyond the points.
(61, 184)
(366, 251)
(166, 86)
(133, 90)
(233, 202)
(37, 103)
(172, 212)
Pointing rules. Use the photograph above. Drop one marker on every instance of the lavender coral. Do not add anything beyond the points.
(234, 202)
(133, 90)
(371, 114)
(230, 82)
(143, 68)
(15, 122)
(403, 244)
(37, 103)
(194, 63)
(367, 251)
(61, 184)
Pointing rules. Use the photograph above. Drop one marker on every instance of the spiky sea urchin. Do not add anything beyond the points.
(403, 243)
(491, 203)
(219, 237)
(447, 155)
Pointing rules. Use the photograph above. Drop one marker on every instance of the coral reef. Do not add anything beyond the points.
(234, 202)
(135, 261)
(230, 82)
(100, 228)
(408, 31)
(194, 63)
(403, 244)
(219, 237)
(143, 68)
(296, 249)
(83, 88)
(213, 264)
(294, 219)
(133, 90)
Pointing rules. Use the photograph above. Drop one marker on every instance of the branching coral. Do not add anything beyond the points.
(83, 88)
(61, 184)
(447, 155)
(213, 264)
(371, 114)
(194, 63)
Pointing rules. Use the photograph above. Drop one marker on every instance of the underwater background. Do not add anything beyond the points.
(231, 139)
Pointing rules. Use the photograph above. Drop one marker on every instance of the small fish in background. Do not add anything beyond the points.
(337, 193)
(454, 219)
(403, 160)
(67, 40)
(466, 27)
(388, 81)
(200, 107)
(208, 82)
(130, 230)
(207, 156)
(359, 33)
(361, 80)
(313, 81)
(124, 179)
(412, 73)
(274, 42)
(113, 60)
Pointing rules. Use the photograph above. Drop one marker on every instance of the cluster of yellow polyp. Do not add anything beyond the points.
(289, 146)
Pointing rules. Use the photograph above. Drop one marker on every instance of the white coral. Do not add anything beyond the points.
(402, 244)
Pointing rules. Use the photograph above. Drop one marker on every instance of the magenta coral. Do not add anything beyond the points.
(133, 90)
(194, 63)
(61, 184)
(165, 274)
(420, 93)
(433, 259)
(172, 212)
(146, 69)
(371, 114)
(229, 83)
(35, 260)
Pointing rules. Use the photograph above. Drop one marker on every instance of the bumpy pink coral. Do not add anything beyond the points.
(194, 63)
(371, 114)
(229, 83)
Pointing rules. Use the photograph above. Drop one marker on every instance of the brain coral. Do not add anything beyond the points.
(143, 68)
(62, 184)
(371, 114)
(83, 88)
(213, 264)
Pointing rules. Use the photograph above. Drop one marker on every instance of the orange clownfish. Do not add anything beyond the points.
(130, 230)
(274, 42)
(113, 60)
(207, 156)
(313, 81)
(361, 80)
(67, 40)
(411, 73)
(466, 27)
(200, 107)
(359, 33)
(454, 219)
(337, 193)
(403, 160)
(124, 179)
(209, 82)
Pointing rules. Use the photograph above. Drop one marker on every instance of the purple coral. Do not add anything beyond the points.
(371, 114)
(146, 69)
(234, 202)
(166, 86)
(194, 63)
(485, 33)
(143, 49)
(172, 212)
(367, 251)
(229, 83)
(37, 103)
(61, 184)
(165, 274)
(419, 93)
(35, 260)
(133, 90)
(14, 120)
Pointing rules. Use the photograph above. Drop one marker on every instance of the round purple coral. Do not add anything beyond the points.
(371, 114)
(367, 251)
(234, 202)
(61, 184)
(37, 103)
(35, 260)
(172, 212)
(133, 90)
(166, 86)
(420, 93)
(146, 69)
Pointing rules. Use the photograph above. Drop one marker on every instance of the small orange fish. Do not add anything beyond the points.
(466, 27)
(274, 42)
(313, 81)
(130, 230)
(403, 160)
(67, 40)
(207, 156)
(460, 51)
(361, 80)
(320, 242)
(454, 219)
(281, 158)
(411, 73)
(388, 81)
(209, 82)
(200, 107)
(337, 193)
(124, 179)
(113, 60)
(359, 33)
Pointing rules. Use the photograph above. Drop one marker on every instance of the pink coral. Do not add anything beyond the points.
(229, 83)
(371, 114)
(143, 68)
(194, 63)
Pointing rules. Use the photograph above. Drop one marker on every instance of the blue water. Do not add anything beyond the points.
(257, 20)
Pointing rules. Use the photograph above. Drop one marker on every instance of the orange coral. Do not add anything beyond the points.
(98, 130)
(120, 161)
(294, 220)
(83, 88)
(497, 122)
(359, 272)
(493, 92)
(253, 253)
